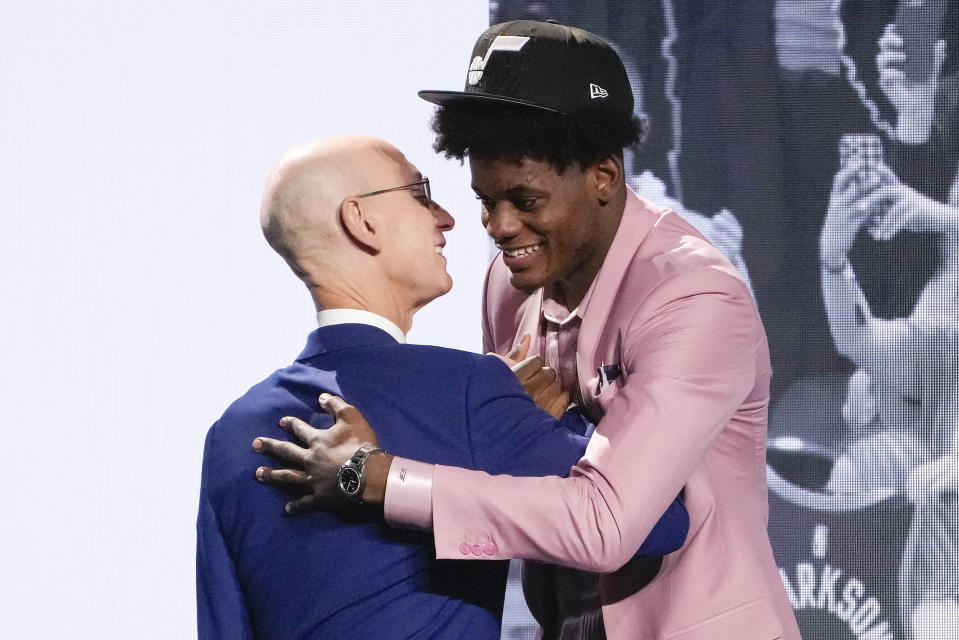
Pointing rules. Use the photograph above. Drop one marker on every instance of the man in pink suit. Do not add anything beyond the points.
(650, 329)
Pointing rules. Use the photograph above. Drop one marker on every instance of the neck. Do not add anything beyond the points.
(574, 287)
(384, 306)
(570, 292)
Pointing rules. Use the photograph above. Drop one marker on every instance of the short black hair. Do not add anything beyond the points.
(495, 131)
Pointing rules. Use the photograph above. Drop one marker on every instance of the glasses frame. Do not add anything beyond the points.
(424, 182)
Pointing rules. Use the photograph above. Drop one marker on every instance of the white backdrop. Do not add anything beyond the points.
(138, 297)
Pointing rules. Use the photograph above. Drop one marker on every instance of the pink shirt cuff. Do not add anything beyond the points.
(408, 502)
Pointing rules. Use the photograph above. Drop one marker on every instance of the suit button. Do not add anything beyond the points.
(490, 549)
(477, 549)
(465, 548)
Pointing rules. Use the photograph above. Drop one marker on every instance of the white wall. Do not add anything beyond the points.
(137, 296)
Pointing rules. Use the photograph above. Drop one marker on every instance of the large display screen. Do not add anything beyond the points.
(816, 143)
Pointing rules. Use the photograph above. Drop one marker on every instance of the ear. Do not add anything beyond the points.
(361, 225)
(606, 178)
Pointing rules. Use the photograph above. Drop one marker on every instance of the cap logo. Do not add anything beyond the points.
(596, 91)
(500, 43)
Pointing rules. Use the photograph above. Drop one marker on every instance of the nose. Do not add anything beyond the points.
(444, 221)
(501, 222)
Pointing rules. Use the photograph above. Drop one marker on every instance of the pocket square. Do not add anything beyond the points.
(608, 373)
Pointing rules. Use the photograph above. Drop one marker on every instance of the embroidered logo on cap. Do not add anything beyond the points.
(596, 91)
(500, 43)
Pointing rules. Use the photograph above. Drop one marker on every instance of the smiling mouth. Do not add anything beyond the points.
(519, 252)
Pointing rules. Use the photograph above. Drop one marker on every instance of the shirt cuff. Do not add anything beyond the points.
(408, 502)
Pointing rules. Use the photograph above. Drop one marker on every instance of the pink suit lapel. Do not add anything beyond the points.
(598, 329)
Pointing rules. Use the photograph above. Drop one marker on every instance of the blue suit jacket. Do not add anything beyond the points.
(345, 574)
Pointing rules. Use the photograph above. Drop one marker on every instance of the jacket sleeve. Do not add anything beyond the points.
(221, 612)
(693, 363)
(510, 435)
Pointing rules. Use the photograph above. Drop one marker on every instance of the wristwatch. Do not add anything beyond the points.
(351, 478)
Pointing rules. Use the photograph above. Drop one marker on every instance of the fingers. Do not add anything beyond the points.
(542, 385)
(504, 359)
(312, 503)
(547, 392)
(858, 187)
(302, 505)
(540, 382)
(907, 209)
(516, 354)
(302, 430)
(283, 477)
(281, 449)
(558, 404)
(527, 368)
(350, 423)
(846, 183)
(897, 217)
(886, 175)
(843, 217)
(521, 350)
(880, 197)
(334, 405)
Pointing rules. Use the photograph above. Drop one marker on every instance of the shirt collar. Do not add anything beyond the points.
(558, 313)
(328, 317)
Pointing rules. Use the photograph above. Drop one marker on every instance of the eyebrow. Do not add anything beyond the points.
(520, 189)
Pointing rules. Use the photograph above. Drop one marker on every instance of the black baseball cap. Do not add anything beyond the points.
(544, 65)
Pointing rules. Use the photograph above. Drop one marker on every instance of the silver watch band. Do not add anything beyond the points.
(363, 452)
(351, 478)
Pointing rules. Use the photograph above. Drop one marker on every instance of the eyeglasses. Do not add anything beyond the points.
(423, 196)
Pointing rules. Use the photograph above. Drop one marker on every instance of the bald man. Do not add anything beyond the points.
(355, 221)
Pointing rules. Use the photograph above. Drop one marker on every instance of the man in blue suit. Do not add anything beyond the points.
(355, 221)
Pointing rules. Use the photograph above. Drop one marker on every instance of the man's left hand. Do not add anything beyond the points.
(539, 381)
(542, 385)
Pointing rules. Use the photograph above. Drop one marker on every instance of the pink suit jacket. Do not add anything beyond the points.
(688, 413)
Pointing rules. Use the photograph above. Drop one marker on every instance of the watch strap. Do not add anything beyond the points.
(363, 452)
(356, 465)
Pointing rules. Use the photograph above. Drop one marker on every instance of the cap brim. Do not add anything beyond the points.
(444, 98)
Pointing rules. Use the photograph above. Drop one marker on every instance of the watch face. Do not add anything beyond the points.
(349, 480)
